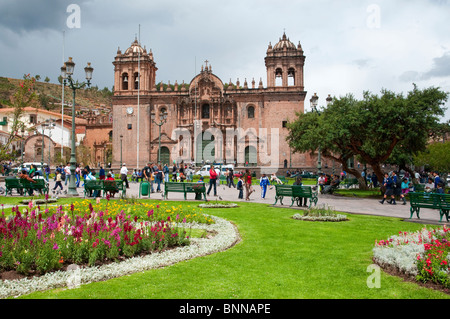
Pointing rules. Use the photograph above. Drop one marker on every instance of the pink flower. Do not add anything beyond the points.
(55, 246)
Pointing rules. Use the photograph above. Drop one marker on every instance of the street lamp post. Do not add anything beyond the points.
(22, 144)
(121, 138)
(66, 73)
(163, 119)
(314, 102)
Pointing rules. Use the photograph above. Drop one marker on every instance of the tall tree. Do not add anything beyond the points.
(372, 128)
(24, 96)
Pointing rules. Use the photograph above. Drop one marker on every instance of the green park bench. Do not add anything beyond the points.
(420, 200)
(114, 187)
(91, 186)
(185, 188)
(13, 183)
(21, 184)
(41, 185)
(283, 179)
(296, 193)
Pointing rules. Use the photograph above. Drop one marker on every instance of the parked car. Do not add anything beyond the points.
(27, 167)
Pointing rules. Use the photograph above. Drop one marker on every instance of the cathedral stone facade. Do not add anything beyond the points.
(207, 120)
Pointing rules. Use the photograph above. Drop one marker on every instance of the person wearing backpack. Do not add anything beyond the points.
(240, 188)
(212, 180)
(397, 184)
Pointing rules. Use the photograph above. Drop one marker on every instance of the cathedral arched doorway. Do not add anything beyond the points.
(164, 156)
(251, 156)
(205, 148)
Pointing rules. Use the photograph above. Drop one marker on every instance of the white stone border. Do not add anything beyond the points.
(226, 235)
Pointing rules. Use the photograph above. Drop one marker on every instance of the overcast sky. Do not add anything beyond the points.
(350, 45)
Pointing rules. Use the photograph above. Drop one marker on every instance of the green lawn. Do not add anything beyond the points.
(278, 257)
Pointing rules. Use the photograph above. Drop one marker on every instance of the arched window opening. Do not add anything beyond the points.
(251, 112)
(291, 77)
(136, 80)
(205, 111)
(125, 81)
(278, 77)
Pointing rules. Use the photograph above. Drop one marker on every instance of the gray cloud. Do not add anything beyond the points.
(441, 67)
(21, 16)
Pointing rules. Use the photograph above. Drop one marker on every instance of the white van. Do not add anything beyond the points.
(27, 166)
(220, 169)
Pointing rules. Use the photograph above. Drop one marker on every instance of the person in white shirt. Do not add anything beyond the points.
(123, 175)
(67, 172)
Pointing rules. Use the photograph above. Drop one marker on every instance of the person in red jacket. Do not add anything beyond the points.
(212, 180)
(248, 184)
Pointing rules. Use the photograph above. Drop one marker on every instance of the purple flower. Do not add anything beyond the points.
(55, 246)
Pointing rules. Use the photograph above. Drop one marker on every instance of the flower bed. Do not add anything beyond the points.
(37, 241)
(320, 214)
(423, 255)
(226, 236)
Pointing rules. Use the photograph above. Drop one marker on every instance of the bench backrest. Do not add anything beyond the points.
(93, 184)
(301, 191)
(424, 199)
(283, 190)
(195, 187)
(445, 201)
(171, 186)
(12, 182)
(112, 185)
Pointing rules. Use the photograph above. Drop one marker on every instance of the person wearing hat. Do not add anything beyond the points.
(123, 175)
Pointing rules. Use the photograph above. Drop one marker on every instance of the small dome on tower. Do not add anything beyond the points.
(284, 42)
(135, 48)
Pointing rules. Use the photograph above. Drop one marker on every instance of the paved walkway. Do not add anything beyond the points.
(339, 203)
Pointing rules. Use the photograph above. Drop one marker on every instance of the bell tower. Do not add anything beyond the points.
(126, 70)
(284, 64)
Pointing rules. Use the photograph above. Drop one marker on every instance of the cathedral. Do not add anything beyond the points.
(207, 120)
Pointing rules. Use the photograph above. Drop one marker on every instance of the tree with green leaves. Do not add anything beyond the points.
(372, 129)
(436, 157)
(24, 96)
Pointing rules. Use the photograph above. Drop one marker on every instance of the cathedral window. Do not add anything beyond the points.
(205, 111)
(251, 112)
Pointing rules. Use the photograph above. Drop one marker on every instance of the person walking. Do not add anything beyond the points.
(58, 181)
(124, 175)
(67, 173)
(47, 172)
(248, 184)
(147, 175)
(264, 182)
(212, 180)
(388, 184)
(77, 175)
(166, 173)
(240, 187)
(159, 175)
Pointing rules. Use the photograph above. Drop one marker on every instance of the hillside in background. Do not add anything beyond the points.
(50, 97)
